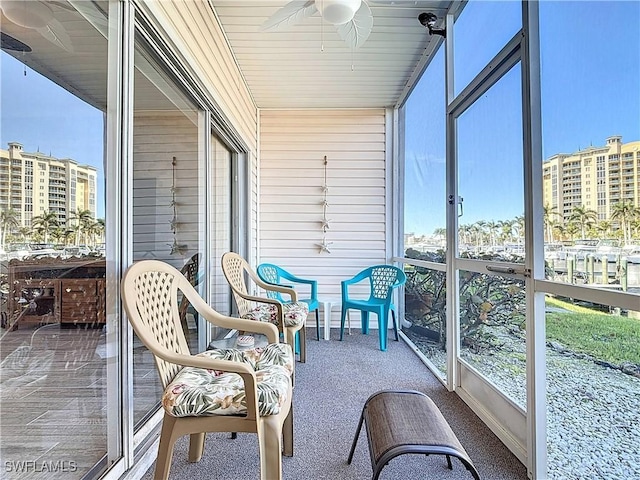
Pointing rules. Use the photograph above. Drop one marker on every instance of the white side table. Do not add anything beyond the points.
(327, 305)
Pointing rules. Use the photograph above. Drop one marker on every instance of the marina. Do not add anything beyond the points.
(588, 270)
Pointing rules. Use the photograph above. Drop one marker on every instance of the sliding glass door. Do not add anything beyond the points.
(168, 197)
(60, 381)
(492, 210)
(542, 281)
(490, 267)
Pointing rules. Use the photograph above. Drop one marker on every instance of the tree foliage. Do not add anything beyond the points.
(485, 301)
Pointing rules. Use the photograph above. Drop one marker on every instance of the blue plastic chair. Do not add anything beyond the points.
(270, 273)
(383, 280)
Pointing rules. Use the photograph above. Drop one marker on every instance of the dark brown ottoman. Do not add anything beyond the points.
(406, 421)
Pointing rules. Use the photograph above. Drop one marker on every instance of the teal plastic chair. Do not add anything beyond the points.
(270, 273)
(383, 279)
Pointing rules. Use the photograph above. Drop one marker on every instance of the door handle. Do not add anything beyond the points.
(497, 269)
(509, 270)
(460, 200)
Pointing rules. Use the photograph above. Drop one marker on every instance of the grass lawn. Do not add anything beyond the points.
(606, 337)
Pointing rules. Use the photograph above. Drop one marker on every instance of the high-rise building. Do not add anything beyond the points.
(34, 183)
(595, 178)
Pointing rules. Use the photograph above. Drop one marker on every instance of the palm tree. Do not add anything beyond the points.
(603, 228)
(479, 230)
(519, 226)
(476, 234)
(87, 229)
(97, 228)
(592, 230)
(560, 229)
(73, 232)
(550, 215)
(9, 220)
(82, 219)
(492, 227)
(57, 234)
(506, 230)
(625, 212)
(44, 223)
(583, 217)
(25, 233)
(438, 232)
(571, 230)
(464, 232)
(635, 228)
(552, 227)
(68, 235)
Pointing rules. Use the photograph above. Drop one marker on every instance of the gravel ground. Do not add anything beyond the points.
(593, 412)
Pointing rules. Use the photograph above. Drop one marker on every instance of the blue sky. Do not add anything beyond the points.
(590, 84)
(590, 63)
(44, 117)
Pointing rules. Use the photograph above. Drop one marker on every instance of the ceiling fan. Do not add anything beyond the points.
(39, 16)
(352, 18)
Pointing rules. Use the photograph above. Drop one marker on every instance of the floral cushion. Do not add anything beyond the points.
(201, 392)
(294, 313)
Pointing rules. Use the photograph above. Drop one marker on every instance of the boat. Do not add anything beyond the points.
(554, 251)
(76, 251)
(608, 249)
(18, 251)
(581, 248)
(41, 250)
(631, 253)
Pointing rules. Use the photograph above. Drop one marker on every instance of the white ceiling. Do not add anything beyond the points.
(77, 60)
(308, 65)
(302, 66)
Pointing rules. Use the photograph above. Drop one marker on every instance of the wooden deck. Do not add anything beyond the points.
(53, 398)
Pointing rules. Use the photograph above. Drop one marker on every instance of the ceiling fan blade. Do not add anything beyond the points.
(356, 32)
(292, 13)
(62, 4)
(91, 14)
(10, 43)
(56, 34)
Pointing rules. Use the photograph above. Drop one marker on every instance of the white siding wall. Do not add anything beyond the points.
(220, 218)
(285, 198)
(198, 37)
(194, 29)
(292, 149)
(158, 137)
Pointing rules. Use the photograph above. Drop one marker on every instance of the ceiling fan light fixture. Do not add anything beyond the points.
(338, 12)
(27, 14)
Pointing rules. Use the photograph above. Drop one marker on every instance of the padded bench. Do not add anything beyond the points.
(406, 421)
